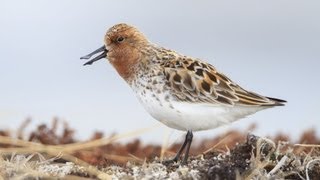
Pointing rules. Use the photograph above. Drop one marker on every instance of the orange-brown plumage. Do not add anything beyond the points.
(182, 92)
(125, 55)
(188, 79)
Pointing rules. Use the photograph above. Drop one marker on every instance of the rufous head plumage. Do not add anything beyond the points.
(122, 47)
(124, 44)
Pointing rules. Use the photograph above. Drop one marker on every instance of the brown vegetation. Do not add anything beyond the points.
(249, 157)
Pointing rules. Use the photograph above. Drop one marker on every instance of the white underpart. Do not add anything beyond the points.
(198, 117)
(190, 116)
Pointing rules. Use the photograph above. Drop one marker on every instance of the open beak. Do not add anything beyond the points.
(100, 56)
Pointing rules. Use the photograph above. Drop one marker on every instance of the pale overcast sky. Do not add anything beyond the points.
(271, 47)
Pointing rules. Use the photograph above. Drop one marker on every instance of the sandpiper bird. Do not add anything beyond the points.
(182, 92)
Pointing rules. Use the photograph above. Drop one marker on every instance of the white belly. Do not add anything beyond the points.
(191, 116)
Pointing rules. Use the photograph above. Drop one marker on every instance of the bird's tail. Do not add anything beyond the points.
(277, 102)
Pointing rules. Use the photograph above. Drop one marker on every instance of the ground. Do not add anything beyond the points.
(233, 155)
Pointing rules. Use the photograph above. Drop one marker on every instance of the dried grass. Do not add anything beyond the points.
(46, 153)
(65, 152)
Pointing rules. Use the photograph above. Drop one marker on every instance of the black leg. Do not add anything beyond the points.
(189, 138)
(182, 147)
(187, 142)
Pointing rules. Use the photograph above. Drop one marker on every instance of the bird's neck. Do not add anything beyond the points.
(132, 66)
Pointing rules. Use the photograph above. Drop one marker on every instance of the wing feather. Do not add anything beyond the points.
(195, 81)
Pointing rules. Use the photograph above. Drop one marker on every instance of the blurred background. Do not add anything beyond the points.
(270, 47)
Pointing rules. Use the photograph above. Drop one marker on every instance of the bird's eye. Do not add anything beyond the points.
(120, 39)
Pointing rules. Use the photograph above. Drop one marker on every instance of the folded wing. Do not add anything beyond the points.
(195, 81)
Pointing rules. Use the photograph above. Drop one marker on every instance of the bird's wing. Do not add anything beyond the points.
(194, 81)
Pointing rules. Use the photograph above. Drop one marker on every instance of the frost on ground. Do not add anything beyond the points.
(249, 157)
(257, 158)
(154, 170)
(34, 166)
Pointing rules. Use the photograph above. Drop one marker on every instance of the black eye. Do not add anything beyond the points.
(120, 39)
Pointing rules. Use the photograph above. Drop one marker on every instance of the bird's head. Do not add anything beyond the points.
(122, 47)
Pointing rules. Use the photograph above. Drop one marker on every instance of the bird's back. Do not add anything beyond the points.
(194, 81)
(188, 94)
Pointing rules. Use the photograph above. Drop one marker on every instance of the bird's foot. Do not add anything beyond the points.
(174, 160)
(169, 161)
(184, 162)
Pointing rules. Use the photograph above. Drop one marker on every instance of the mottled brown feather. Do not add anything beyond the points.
(188, 79)
(201, 82)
